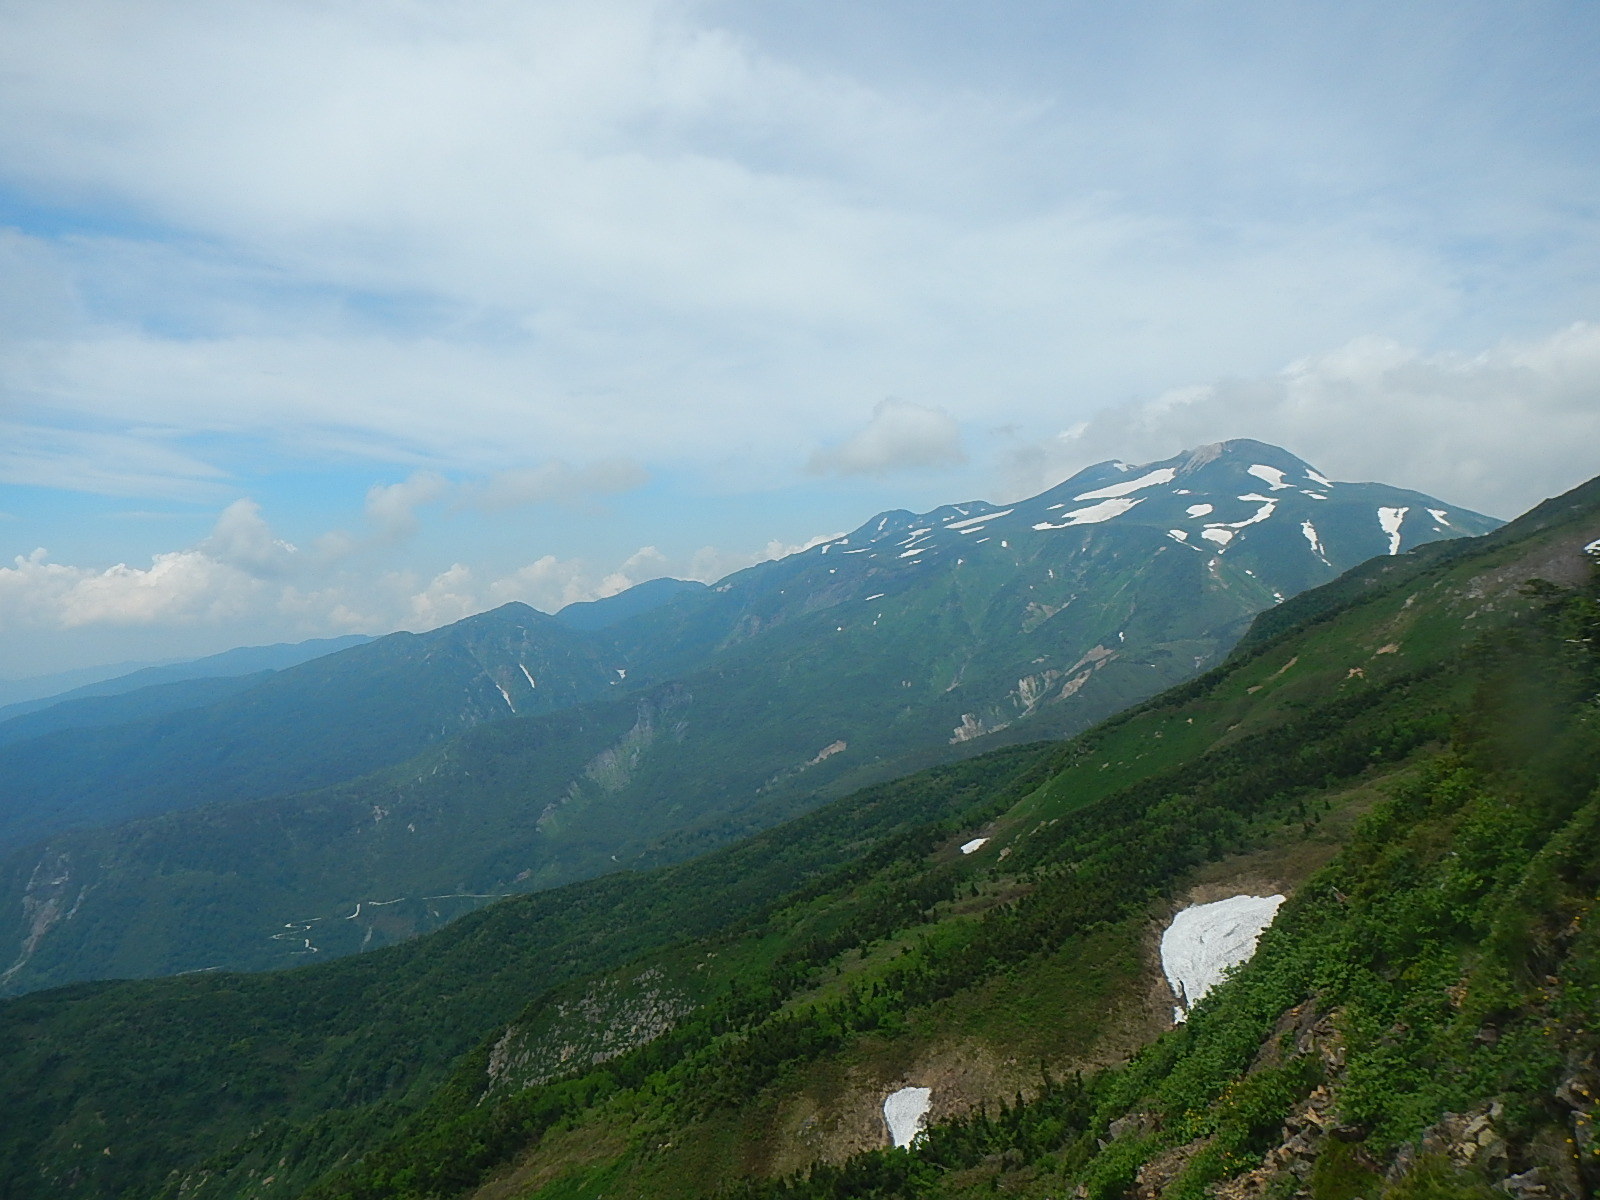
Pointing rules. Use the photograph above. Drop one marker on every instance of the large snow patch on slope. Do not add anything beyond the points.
(1204, 940)
(904, 1112)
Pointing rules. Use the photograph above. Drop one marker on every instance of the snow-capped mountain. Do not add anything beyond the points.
(513, 751)
(1240, 498)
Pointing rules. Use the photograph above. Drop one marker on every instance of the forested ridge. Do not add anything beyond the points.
(1416, 762)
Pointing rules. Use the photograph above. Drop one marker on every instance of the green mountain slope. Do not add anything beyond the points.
(685, 718)
(325, 720)
(244, 660)
(1417, 767)
(1414, 765)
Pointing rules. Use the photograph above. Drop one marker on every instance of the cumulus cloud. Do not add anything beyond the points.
(177, 587)
(900, 436)
(243, 539)
(392, 507)
(1497, 431)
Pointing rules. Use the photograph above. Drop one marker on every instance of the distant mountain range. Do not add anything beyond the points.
(370, 794)
(1402, 766)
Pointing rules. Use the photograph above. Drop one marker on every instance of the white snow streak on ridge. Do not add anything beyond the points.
(1310, 530)
(1198, 510)
(507, 696)
(1004, 512)
(974, 844)
(1270, 476)
(1390, 519)
(1316, 478)
(526, 676)
(1164, 475)
(1440, 515)
(1092, 515)
(904, 1112)
(1204, 940)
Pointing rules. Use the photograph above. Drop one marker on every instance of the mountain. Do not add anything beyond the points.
(245, 660)
(1407, 754)
(327, 719)
(635, 601)
(704, 716)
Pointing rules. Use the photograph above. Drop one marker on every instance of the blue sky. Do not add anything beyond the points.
(321, 316)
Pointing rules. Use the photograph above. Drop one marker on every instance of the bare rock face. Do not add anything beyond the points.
(1579, 1092)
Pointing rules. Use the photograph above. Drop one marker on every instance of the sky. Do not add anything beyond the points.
(330, 316)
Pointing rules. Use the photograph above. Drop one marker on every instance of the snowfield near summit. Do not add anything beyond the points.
(1205, 940)
(904, 1112)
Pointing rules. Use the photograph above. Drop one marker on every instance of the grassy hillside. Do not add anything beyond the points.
(1414, 764)
(1423, 789)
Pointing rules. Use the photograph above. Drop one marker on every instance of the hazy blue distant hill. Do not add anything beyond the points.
(245, 660)
(333, 717)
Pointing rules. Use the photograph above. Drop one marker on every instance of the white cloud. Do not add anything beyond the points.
(178, 587)
(460, 237)
(242, 584)
(243, 539)
(1497, 431)
(900, 436)
(449, 596)
(392, 507)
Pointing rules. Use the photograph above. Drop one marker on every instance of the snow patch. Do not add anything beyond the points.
(1205, 940)
(507, 696)
(1093, 515)
(1389, 519)
(1310, 530)
(1198, 510)
(1220, 534)
(1593, 547)
(904, 1112)
(879, 596)
(1164, 475)
(1181, 535)
(974, 844)
(1004, 512)
(1270, 476)
(1316, 478)
(527, 676)
(1439, 515)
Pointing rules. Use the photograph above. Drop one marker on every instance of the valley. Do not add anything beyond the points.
(1403, 754)
(515, 751)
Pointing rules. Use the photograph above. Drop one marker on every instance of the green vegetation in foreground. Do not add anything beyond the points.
(1439, 962)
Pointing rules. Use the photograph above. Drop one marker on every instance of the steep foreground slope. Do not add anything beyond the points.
(673, 721)
(1411, 756)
